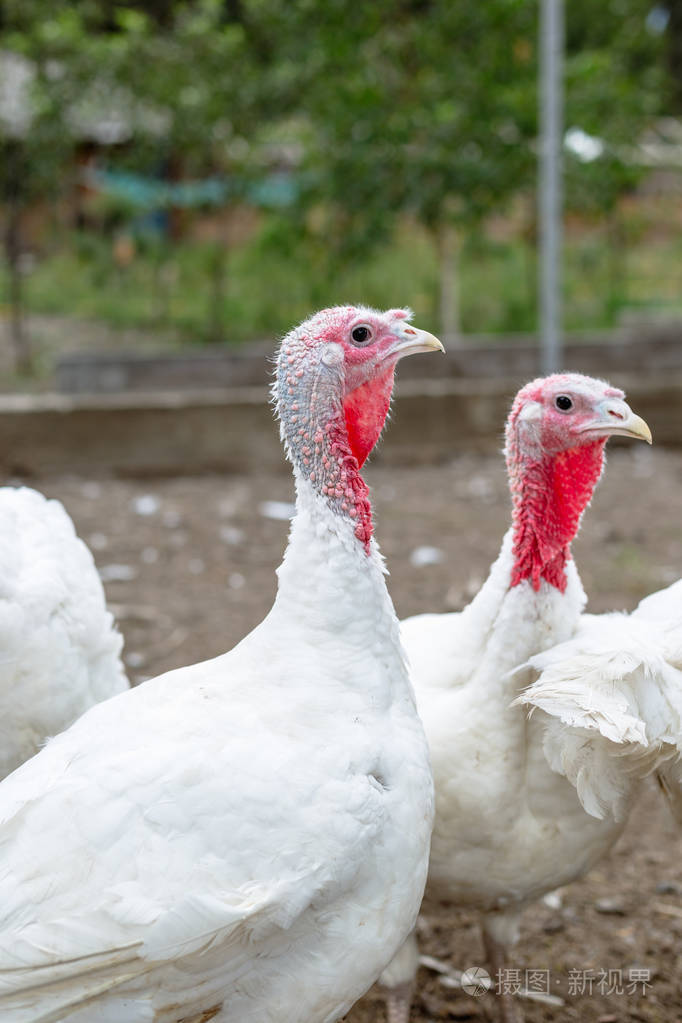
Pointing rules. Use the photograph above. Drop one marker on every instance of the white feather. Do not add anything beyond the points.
(59, 649)
(617, 686)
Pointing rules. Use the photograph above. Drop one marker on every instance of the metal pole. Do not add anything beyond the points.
(551, 132)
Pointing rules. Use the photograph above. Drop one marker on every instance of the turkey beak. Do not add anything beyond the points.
(410, 340)
(616, 418)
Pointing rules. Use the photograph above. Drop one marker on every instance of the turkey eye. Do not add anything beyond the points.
(563, 403)
(361, 335)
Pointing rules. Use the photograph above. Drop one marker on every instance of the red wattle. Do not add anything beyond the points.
(365, 410)
(549, 499)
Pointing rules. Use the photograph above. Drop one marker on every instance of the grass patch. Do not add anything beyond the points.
(202, 293)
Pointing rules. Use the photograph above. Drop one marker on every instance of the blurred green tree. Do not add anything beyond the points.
(616, 85)
(190, 87)
(34, 134)
(669, 17)
(428, 107)
(389, 109)
(420, 107)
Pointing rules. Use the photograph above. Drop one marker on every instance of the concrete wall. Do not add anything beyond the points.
(233, 429)
(649, 350)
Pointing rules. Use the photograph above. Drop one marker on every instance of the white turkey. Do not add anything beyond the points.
(60, 652)
(508, 828)
(246, 838)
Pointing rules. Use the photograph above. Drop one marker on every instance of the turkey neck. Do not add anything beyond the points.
(332, 574)
(533, 596)
(332, 596)
(511, 623)
(327, 575)
(549, 496)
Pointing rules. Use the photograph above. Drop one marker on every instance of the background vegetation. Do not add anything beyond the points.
(213, 169)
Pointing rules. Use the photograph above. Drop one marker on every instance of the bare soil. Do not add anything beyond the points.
(190, 568)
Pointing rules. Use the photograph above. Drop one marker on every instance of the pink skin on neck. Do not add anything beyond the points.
(350, 441)
(549, 497)
(332, 455)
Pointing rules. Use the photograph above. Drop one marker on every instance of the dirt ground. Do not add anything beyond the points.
(189, 568)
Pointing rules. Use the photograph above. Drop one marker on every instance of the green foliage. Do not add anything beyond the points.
(424, 107)
(615, 86)
(394, 109)
(430, 107)
(166, 288)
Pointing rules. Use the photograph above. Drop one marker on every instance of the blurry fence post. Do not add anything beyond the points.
(551, 111)
(448, 267)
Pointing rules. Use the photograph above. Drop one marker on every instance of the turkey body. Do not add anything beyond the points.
(188, 753)
(508, 828)
(59, 649)
(245, 838)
